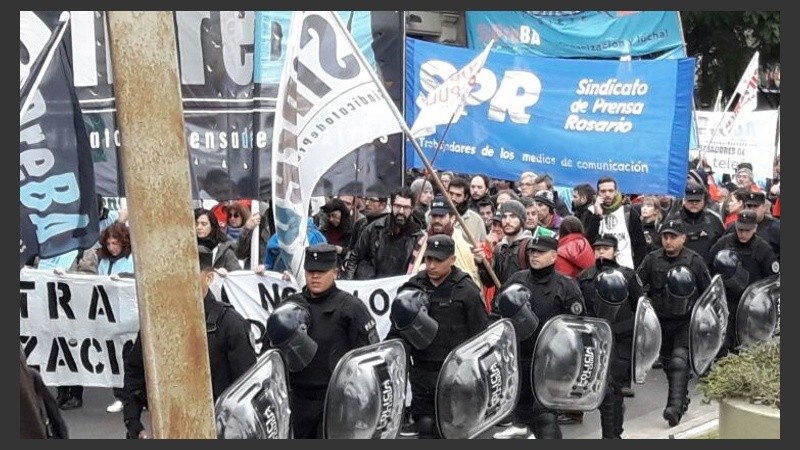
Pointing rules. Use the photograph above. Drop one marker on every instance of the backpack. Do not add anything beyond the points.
(522, 258)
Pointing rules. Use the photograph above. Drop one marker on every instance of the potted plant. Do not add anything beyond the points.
(747, 386)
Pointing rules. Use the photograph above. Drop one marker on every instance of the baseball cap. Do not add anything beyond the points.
(746, 220)
(755, 199)
(438, 206)
(672, 226)
(440, 246)
(542, 244)
(608, 240)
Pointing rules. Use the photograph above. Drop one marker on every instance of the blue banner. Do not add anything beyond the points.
(574, 119)
(578, 34)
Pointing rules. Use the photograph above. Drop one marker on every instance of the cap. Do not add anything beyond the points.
(672, 226)
(439, 206)
(608, 240)
(694, 191)
(545, 197)
(755, 199)
(320, 258)
(497, 217)
(744, 165)
(746, 220)
(542, 244)
(440, 246)
(206, 257)
(513, 207)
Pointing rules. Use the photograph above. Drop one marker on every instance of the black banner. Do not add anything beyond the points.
(57, 184)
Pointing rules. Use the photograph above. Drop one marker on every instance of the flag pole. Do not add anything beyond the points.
(40, 65)
(404, 126)
(435, 154)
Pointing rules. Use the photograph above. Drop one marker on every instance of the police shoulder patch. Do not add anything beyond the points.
(576, 308)
(776, 267)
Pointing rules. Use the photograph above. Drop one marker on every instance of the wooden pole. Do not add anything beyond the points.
(156, 171)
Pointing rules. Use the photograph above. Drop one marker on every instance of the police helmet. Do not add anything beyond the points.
(287, 329)
(513, 301)
(726, 262)
(410, 317)
(681, 282)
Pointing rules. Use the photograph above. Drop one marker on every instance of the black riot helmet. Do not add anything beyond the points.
(410, 317)
(612, 290)
(513, 301)
(681, 282)
(726, 262)
(287, 329)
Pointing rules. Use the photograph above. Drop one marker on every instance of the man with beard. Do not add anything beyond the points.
(374, 209)
(441, 221)
(486, 209)
(583, 196)
(508, 255)
(478, 191)
(459, 193)
(605, 282)
(613, 216)
(387, 246)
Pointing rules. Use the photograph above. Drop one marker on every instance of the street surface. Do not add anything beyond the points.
(642, 418)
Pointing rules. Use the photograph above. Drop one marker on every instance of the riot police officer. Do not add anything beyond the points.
(702, 225)
(230, 352)
(741, 259)
(611, 292)
(552, 294)
(435, 311)
(334, 320)
(673, 278)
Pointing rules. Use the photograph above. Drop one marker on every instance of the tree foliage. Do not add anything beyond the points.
(724, 42)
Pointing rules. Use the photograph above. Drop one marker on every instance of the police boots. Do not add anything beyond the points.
(677, 396)
(611, 414)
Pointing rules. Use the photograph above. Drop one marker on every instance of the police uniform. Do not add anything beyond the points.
(340, 322)
(456, 305)
(769, 228)
(612, 408)
(702, 229)
(674, 312)
(756, 257)
(230, 354)
(553, 294)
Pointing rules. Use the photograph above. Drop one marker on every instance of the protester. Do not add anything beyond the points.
(478, 191)
(338, 228)
(459, 194)
(574, 252)
(211, 235)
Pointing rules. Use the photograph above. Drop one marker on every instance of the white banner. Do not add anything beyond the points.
(73, 327)
(752, 140)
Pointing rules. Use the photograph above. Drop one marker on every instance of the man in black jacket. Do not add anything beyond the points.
(230, 352)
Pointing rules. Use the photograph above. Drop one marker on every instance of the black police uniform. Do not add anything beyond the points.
(612, 409)
(702, 229)
(230, 355)
(456, 305)
(673, 315)
(553, 294)
(769, 228)
(340, 322)
(758, 260)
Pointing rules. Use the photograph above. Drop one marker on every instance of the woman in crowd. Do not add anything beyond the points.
(210, 235)
(651, 215)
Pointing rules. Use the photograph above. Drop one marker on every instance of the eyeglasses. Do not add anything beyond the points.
(401, 207)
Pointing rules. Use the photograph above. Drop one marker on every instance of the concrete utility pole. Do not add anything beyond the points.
(156, 167)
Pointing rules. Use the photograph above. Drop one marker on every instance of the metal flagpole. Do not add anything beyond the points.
(404, 126)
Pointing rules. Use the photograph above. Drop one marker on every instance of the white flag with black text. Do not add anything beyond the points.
(328, 105)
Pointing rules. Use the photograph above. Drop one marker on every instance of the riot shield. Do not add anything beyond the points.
(646, 340)
(758, 314)
(571, 362)
(367, 393)
(478, 384)
(256, 406)
(707, 326)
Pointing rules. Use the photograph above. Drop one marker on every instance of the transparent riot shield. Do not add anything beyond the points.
(571, 362)
(646, 340)
(367, 393)
(256, 406)
(707, 326)
(478, 384)
(758, 314)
